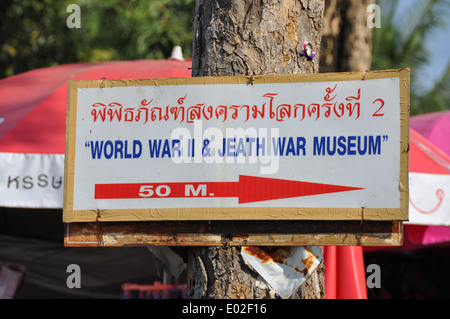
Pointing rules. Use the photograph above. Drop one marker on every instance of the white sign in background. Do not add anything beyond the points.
(31, 180)
(118, 145)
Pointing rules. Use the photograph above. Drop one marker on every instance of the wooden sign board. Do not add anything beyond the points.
(235, 233)
(321, 147)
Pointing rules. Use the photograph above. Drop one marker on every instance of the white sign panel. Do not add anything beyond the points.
(31, 180)
(429, 199)
(274, 144)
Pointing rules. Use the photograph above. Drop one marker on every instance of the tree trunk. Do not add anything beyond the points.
(346, 38)
(249, 37)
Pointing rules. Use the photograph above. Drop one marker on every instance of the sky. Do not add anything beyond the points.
(439, 45)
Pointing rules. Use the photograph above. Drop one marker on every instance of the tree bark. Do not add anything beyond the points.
(346, 38)
(249, 37)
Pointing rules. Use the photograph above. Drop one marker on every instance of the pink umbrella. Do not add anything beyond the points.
(429, 195)
(33, 123)
(429, 179)
(435, 127)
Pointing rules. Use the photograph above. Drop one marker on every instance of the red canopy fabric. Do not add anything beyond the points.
(33, 107)
(425, 157)
(435, 127)
(429, 166)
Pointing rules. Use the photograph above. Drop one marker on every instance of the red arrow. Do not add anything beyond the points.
(248, 189)
(256, 189)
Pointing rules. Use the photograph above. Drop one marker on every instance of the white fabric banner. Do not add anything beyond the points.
(358, 149)
(429, 199)
(31, 180)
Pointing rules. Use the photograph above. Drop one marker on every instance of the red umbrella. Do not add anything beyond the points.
(429, 181)
(435, 127)
(33, 124)
(345, 273)
(434, 210)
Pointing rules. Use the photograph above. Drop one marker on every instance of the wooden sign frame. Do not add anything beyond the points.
(191, 226)
(235, 233)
